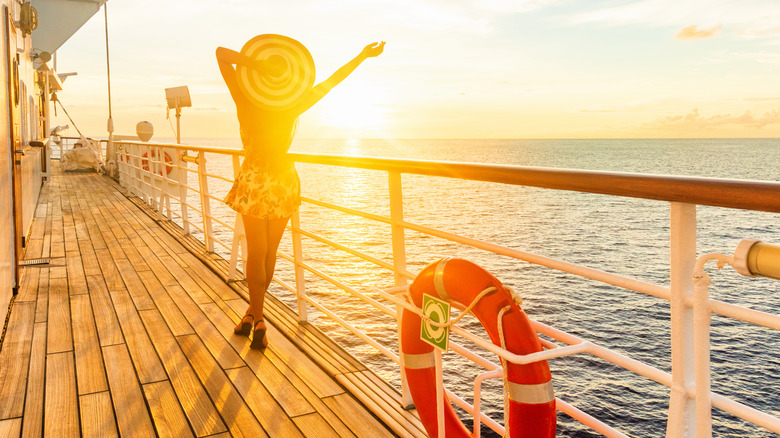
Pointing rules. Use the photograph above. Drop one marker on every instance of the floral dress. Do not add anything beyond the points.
(264, 193)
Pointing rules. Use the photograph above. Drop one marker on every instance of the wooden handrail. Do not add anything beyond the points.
(728, 193)
(741, 194)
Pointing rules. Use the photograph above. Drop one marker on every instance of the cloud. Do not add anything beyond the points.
(759, 30)
(752, 18)
(761, 99)
(692, 32)
(694, 120)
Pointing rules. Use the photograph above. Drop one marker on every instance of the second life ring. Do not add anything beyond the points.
(167, 157)
(532, 411)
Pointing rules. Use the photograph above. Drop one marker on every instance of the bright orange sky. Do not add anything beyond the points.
(451, 69)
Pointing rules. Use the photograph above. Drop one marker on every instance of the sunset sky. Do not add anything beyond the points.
(451, 68)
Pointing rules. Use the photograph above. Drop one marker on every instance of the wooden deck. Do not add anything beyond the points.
(128, 331)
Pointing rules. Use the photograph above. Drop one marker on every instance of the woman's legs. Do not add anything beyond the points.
(262, 237)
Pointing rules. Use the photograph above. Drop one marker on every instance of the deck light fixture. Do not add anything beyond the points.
(178, 98)
(754, 258)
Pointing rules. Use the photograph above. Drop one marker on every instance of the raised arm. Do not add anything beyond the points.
(320, 90)
(227, 58)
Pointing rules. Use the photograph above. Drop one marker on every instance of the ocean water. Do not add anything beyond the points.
(624, 236)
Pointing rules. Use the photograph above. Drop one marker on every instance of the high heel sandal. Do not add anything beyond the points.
(244, 327)
(259, 337)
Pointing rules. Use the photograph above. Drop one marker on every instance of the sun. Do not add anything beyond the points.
(354, 107)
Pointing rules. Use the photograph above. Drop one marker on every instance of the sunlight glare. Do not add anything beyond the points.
(354, 107)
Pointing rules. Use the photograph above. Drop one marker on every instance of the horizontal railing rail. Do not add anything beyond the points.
(144, 173)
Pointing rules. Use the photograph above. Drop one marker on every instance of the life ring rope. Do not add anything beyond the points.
(419, 311)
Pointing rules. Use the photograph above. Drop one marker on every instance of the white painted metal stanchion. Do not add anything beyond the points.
(442, 397)
(399, 263)
(300, 281)
(682, 409)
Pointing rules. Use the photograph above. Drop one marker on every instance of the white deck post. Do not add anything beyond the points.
(702, 318)
(682, 409)
(205, 201)
(239, 236)
(159, 169)
(139, 173)
(399, 264)
(183, 176)
(300, 282)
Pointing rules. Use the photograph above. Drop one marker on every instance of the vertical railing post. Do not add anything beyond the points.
(239, 236)
(399, 263)
(166, 184)
(702, 317)
(183, 176)
(205, 201)
(159, 169)
(682, 409)
(140, 173)
(120, 164)
(300, 282)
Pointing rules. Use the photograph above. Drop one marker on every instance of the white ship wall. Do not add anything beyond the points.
(31, 128)
(6, 188)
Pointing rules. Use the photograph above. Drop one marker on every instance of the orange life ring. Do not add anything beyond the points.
(167, 157)
(531, 399)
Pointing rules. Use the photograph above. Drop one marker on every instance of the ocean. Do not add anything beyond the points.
(624, 236)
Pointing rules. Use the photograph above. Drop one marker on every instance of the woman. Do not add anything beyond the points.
(267, 189)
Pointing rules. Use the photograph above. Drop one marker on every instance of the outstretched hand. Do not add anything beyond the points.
(373, 49)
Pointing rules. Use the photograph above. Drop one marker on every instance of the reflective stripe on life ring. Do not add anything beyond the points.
(532, 410)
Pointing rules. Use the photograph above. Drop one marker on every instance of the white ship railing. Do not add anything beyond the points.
(691, 400)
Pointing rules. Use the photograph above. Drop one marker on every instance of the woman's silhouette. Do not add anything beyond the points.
(267, 189)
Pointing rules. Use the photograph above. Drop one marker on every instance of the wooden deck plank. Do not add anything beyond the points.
(358, 420)
(132, 417)
(28, 290)
(219, 347)
(89, 361)
(14, 360)
(89, 259)
(97, 415)
(33, 248)
(145, 359)
(42, 303)
(159, 265)
(77, 282)
(315, 425)
(61, 418)
(57, 236)
(270, 414)
(238, 417)
(135, 286)
(391, 415)
(46, 246)
(276, 382)
(59, 338)
(195, 401)
(133, 255)
(170, 311)
(283, 354)
(109, 269)
(36, 380)
(58, 271)
(106, 321)
(327, 358)
(289, 389)
(195, 290)
(168, 417)
(11, 427)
